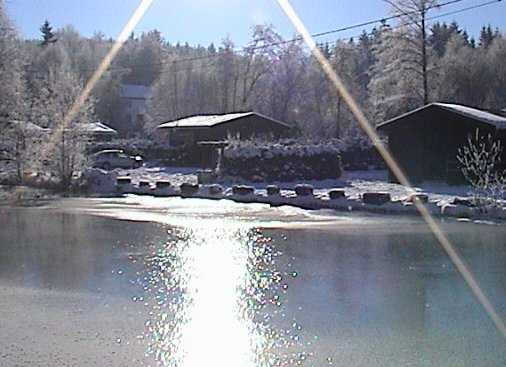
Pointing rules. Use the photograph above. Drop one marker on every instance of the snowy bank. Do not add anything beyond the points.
(306, 197)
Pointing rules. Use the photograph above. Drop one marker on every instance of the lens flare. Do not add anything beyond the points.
(392, 164)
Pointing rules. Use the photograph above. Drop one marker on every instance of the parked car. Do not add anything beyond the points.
(115, 158)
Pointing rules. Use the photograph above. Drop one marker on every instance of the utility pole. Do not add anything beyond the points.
(424, 56)
(410, 9)
(176, 110)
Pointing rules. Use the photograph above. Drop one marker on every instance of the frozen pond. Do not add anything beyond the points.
(172, 282)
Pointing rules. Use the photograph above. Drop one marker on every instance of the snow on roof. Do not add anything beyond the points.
(135, 91)
(98, 128)
(26, 125)
(497, 121)
(211, 120)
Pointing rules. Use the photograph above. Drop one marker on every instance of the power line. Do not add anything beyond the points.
(404, 24)
(296, 39)
(382, 20)
(465, 9)
(369, 22)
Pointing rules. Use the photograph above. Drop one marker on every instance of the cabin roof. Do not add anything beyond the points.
(97, 128)
(27, 126)
(213, 120)
(496, 121)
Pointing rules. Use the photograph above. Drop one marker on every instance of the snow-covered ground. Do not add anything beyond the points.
(359, 182)
(354, 183)
(176, 175)
(440, 195)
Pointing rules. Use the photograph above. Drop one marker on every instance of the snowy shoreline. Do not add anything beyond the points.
(344, 194)
(439, 198)
(322, 199)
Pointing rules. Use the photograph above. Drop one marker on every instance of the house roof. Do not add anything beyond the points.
(28, 126)
(213, 120)
(496, 121)
(134, 91)
(93, 127)
(24, 126)
(97, 128)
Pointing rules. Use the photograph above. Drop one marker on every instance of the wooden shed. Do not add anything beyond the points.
(189, 133)
(425, 141)
(98, 131)
(244, 125)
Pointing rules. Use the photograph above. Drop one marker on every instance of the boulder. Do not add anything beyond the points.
(304, 190)
(188, 189)
(123, 180)
(459, 211)
(162, 184)
(100, 181)
(215, 189)
(123, 184)
(144, 187)
(461, 201)
(336, 194)
(144, 184)
(163, 188)
(273, 190)
(424, 198)
(376, 198)
(242, 190)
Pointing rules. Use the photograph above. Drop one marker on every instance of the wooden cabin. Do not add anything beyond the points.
(425, 141)
(191, 132)
(243, 125)
(97, 131)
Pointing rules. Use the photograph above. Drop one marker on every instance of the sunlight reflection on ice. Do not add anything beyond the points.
(208, 288)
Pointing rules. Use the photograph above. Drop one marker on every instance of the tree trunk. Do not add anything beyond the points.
(18, 158)
(234, 95)
(338, 118)
(176, 109)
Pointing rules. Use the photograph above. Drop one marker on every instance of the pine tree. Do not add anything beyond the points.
(486, 36)
(48, 36)
(211, 49)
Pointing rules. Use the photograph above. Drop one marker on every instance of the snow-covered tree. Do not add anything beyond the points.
(256, 62)
(12, 92)
(63, 152)
(413, 15)
(396, 85)
(440, 35)
(480, 161)
(12, 63)
(496, 54)
(463, 75)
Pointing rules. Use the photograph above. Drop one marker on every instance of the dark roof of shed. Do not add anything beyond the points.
(496, 121)
(213, 120)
